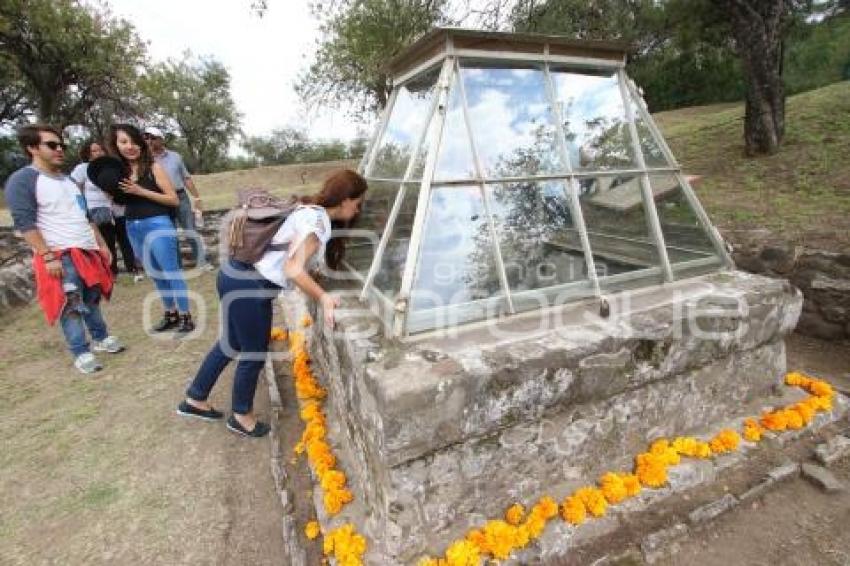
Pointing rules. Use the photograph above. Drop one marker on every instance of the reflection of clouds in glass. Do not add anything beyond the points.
(511, 119)
(448, 267)
(594, 118)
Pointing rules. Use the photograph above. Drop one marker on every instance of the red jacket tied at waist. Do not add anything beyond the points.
(92, 267)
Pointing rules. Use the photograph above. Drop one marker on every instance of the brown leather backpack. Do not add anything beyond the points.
(248, 229)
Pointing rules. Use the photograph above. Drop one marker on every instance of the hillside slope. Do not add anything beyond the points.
(801, 194)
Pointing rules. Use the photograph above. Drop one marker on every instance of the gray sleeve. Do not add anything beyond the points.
(21, 199)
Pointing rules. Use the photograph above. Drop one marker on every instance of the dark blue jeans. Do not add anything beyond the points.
(246, 322)
(82, 310)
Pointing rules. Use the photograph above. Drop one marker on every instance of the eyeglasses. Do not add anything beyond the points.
(54, 145)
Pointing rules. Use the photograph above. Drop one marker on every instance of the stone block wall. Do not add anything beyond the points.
(823, 277)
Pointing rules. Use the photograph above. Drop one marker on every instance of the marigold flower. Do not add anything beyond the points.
(593, 499)
(726, 440)
(820, 388)
(795, 421)
(515, 514)
(546, 507)
(431, 562)
(346, 545)
(632, 484)
(662, 449)
(774, 420)
(335, 499)
(573, 510)
(806, 412)
(612, 487)
(463, 553)
(306, 321)
(499, 539)
(752, 430)
(476, 537)
(312, 530)
(333, 480)
(277, 334)
(651, 470)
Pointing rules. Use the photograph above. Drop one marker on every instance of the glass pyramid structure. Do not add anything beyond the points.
(513, 172)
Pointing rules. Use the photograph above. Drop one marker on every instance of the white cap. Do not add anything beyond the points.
(155, 132)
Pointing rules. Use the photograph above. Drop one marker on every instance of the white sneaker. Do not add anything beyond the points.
(87, 363)
(138, 277)
(110, 344)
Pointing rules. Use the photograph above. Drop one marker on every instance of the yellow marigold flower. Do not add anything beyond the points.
(306, 321)
(534, 525)
(431, 562)
(651, 470)
(612, 487)
(499, 539)
(333, 480)
(573, 510)
(726, 440)
(795, 421)
(820, 388)
(703, 450)
(685, 445)
(806, 412)
(277, 334)
(795, 378)
(662, 449)
(312, 530)
(774, 420)
(515, 514)
(463, 553)
(476, 537)
(752, 430)
(335, 499)
(546, 507)
(522, 535)
(632, 484)
(346, 545)
(593, 499)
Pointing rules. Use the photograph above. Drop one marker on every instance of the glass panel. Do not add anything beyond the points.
(651, 148)
(422, 154)
(456, 259)
(373, 217)
(407, 118)
(455, 156)
(596, 127)
(616, 224)
(684, 236)
(389, 274)
(539, 242)
(511, 119)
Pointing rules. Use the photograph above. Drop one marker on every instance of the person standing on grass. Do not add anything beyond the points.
(98, 203)
(248, 290)
(71, 260)
(131, 262)
(150, 200)
(172, 163)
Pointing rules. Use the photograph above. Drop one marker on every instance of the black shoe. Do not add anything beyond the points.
(260, 429)
(185, 324)
(168, 321)
(186, 410)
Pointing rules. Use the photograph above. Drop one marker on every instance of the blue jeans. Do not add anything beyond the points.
(81, 311)
(186, 220)
(246, 322)
(154, 240)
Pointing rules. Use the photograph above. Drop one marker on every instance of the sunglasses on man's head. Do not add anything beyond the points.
(54, 145)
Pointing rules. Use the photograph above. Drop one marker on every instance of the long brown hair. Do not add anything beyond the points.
(145, 157)
(341, 184)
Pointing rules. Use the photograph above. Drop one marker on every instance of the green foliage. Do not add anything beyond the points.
(192, 99)
(291, 145)
(358, 37)
(820, 57)
(63, 58)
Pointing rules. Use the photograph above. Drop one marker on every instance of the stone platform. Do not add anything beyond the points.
(439, 433)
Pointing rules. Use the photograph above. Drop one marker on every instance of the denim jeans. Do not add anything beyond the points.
(154, 241)
(81, 311)
(186, 220)
(246, 322)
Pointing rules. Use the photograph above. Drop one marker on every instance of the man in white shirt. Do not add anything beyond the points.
(50, 212)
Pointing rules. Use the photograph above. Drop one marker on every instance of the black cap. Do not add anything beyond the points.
(107, 172)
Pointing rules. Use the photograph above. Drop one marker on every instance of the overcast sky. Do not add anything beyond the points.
(264, 55)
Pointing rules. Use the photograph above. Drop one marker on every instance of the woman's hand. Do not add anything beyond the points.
(131, 188)
(329, 305)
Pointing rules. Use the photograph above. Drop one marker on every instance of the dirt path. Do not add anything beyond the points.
(99, 470)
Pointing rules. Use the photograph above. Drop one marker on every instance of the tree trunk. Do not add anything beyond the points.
(757, 26)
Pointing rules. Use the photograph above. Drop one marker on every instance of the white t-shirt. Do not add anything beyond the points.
(95, 197)
(305, 220)
(51, 204)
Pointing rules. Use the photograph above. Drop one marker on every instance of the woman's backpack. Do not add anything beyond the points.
(248, 229)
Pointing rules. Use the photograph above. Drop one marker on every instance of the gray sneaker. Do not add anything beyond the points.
(110, 344)
(87, 363)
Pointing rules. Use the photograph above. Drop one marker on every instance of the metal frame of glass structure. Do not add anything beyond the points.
(442, 82)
